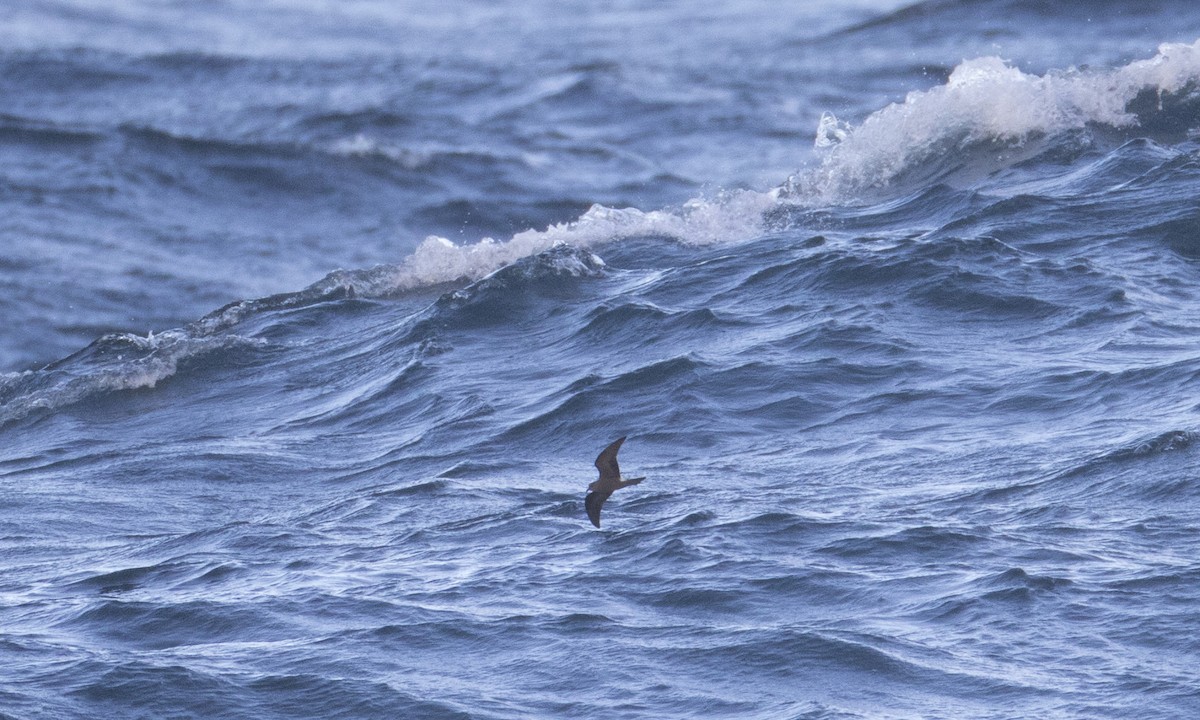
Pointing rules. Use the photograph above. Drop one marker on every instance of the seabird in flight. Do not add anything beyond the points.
(610, 481)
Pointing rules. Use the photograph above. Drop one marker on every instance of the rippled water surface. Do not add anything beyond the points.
(317, 316)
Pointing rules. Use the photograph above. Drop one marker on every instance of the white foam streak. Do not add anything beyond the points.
(149, 361)
(362, 146)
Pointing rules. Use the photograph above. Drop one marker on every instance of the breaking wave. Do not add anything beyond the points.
(987, 116)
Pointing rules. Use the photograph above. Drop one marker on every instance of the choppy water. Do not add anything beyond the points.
(316, 317)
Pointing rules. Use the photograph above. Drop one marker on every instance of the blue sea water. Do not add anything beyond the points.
(317, 314)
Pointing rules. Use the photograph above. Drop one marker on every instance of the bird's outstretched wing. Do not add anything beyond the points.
(606, 462)
(594, 501)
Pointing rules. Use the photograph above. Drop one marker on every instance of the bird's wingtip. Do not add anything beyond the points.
(593, 502)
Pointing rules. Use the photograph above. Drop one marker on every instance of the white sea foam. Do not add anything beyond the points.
(725, 218)
(985, 100)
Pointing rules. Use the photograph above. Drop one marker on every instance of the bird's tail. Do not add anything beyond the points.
(631, 481)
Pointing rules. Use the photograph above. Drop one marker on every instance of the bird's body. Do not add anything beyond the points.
(609, 482)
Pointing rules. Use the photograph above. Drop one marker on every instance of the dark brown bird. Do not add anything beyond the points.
(610, 481)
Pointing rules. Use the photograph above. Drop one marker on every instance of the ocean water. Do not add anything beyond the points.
(317, 315)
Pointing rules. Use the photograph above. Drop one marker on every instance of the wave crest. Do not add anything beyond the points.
(728, 217)
(112, 363)
(989, 106)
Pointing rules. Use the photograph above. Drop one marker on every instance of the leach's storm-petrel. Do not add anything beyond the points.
(610, 481)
